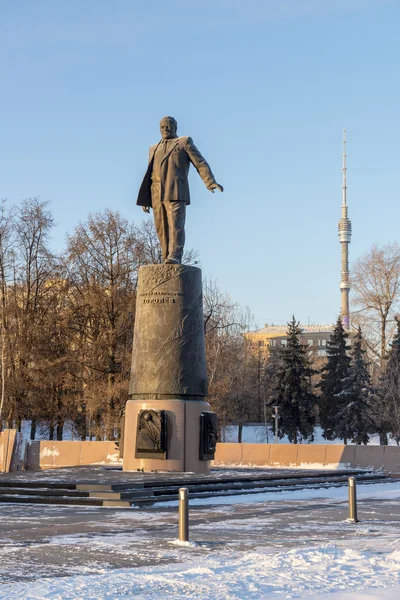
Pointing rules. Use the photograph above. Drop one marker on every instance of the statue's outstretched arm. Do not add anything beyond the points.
(201, 165)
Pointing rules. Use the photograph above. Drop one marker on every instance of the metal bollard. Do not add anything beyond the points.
(352, 500)
(183, 515)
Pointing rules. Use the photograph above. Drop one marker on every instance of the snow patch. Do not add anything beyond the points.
(114, 458)
(48, 451)
(321, 467)
(183, 544)
(257, 433)
(297, 573)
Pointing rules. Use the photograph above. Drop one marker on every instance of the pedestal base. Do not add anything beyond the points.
(183, 436)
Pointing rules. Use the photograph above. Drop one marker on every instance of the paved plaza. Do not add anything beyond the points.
(289, 545)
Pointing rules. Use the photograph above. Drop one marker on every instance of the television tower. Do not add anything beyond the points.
(344, 228)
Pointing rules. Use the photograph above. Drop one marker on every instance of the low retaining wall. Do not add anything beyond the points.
(7, 442)
(53, 455)
(310, 456)
(17, 454)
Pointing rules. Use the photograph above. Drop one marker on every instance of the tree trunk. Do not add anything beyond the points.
(83, 432)
(3, 374)
(110, 417)
(81, 423)
(383, 342)
(383, 439)
(33, 429)
(259, 403)
(240, 433)
(90, 429)
(60, 426)
(51, 431)
(99, 432)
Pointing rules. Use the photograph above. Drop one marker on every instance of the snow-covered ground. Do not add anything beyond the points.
(255, 433)
(274, 545)
(258, 434)
(293, 574)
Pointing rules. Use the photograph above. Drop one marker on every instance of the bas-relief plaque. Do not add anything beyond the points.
(151, 434)
(208, 435)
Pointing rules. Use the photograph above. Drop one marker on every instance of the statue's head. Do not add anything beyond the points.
(168, 127)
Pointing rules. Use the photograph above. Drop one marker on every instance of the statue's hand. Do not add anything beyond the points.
(216, 186)
(146, 209)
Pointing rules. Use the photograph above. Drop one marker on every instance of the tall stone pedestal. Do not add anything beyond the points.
(183, 436)
(168, 379)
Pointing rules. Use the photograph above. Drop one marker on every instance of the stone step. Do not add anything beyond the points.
(171, 492)
(198, 480)
(163, 494)
(207, 494)
(45, 499)
(185, 480)
(243, 486)
(64, 500)
(37, 484)
(155, 489)
(121, 495)
(18, 491)
(117, 503)
(259, 484)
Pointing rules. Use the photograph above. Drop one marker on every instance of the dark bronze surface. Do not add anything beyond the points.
(165, 187)
(151, 434)
(208, 435)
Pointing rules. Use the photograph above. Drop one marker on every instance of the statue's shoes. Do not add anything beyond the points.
(172, 261)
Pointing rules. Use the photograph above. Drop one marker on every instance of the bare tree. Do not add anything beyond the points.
(6, 242)
(148, 247)
(220, 312)
(376, 285)
(28, 294)
(232, 365)
(104, 255)
(221, 327)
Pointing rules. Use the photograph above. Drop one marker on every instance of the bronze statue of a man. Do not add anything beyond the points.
(165, 187)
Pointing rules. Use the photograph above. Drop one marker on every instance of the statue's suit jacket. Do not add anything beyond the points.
(174, 186)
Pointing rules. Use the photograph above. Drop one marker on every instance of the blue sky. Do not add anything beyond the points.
(264, 87)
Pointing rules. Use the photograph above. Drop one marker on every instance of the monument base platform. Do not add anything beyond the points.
(182, 437)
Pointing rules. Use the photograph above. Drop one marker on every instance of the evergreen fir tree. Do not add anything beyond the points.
(293, 393)
(335, 383)
(394, 353)
(387, 408)
(354, 412)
